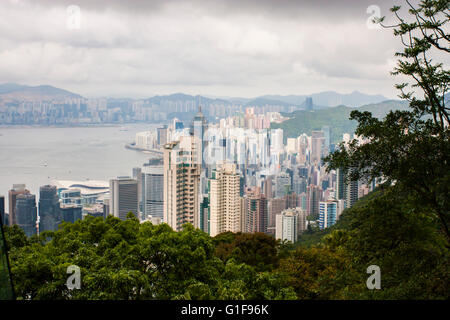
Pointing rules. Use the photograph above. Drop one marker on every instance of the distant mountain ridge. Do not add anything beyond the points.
(320, 100)
(10, 87)
(332, 99)
(262, 101)
(13, 91)
(186, 97)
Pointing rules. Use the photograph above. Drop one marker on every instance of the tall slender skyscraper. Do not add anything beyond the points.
(317, 145)
(199, 127)
(351, 193)
(224, 200)
(49, 210)
(340, 184)
(26, 213)
(162, 135)
(182, 183)
(309, 104)
(123, 197)
(12, 195)
(137, 175)
(312, 200)
(327, 135)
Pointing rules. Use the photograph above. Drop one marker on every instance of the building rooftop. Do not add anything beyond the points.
(87, 187)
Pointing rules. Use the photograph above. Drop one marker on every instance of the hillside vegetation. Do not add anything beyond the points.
(336, 118)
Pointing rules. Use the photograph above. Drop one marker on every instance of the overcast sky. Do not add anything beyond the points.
(218, 48)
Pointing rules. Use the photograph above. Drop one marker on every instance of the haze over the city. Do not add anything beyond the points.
(216, 48)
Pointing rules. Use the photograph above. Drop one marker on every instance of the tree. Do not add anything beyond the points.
(408, 248)
(410, 148)
(316, 272)
(255, 249)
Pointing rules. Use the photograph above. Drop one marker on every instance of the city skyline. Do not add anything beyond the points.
(285, 172)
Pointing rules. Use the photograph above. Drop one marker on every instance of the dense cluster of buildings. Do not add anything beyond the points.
(81, 111)
(234, 175)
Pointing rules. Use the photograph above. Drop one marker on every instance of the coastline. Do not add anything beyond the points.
(73, 125)
(132, 146)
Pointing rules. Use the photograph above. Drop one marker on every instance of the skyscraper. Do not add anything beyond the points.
(274, 206)
(152, 191)
(312, 200)
(123, 197)
(199, 131)
(286, 225)
(204, 215)
(224, 200)
(302, 222)
(181, 183)
(351, 193)
(340, 184)
(308, 104)
(328, 213)
(268, 187)
(282, 184)
(12, 195)
(199, 127)
(299, 184)
(162, 135)
(137, 175)
(291, 200)
(26, 213)
(317, 145)
(49, 211)
(256, 213)
(327, 136)
(71, 212)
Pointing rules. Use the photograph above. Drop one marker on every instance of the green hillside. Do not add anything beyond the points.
(336, 118)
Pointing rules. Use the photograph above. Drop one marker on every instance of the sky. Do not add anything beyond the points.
(223, 48)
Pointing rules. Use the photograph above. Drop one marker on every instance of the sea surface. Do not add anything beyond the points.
(37, 155)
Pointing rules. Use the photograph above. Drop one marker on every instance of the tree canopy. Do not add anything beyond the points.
(410, 148)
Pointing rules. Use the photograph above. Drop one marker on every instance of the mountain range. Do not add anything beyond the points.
(331, 99)
(18, 92)
(14, 91)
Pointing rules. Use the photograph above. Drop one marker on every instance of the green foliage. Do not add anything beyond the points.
(129, 260)
(15, 236)
(315, 273)
(337, 118)
(6, 290)
(132, 260)
(411, 148)
(387, 230)
(255, 249)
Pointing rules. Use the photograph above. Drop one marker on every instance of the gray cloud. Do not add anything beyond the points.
(247, 48)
